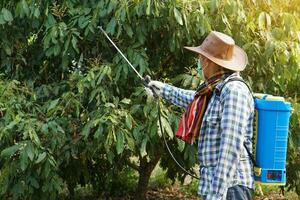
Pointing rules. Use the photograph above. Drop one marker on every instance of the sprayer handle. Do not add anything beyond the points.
(147, 80)
(154, 89)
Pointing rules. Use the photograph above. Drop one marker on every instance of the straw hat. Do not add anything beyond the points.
(221, 49)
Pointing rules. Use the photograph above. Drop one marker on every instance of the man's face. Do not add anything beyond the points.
(205, 66)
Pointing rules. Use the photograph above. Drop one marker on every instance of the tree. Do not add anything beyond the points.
(72, 111)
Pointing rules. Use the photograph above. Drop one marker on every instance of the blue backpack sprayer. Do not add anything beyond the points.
(270, 133)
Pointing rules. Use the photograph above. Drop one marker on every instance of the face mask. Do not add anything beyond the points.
(199, 68)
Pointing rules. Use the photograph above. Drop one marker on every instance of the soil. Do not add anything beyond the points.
(174, 193)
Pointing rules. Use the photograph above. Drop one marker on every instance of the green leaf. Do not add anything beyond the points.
(128, 30)
(261, 20)
(120, 142)
(167, 128)
(74, 43)
(36, 13)
(25, 7)
(56, 50)
(148, 7)
(2, 21)
(104, 71)
(128, 122)
(7, 49)
(214, 5)
(59, 129)
(143, 151)
(109, 105)
(153, 130)
(142, 65)
(278, 34)
(83, 22)
(98, 132)
(47, 169)
(50, 21)
(110, 157)
(111, 26)
(49, 52)
(130, 142)
(52, 162)
(66, 46)
(33, 182)
(125, 101)
(178, 16)
(111, 6)
(137, 133)
(268, 20)
(270, 47)
(30, 151)
(41, 157)
(87, 129)
(23, 161)
(9, 151)
(181, 145)
(22, 9)
(52, 105)
(7, 15)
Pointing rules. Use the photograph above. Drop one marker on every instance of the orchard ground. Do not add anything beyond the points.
(162, 188)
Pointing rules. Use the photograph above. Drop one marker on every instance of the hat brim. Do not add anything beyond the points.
(237, 63)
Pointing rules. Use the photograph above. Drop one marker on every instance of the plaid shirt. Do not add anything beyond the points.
(226, 125)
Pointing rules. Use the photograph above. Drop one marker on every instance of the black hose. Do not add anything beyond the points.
(168, 148)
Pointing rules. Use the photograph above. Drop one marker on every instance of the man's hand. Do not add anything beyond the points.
(154, 88)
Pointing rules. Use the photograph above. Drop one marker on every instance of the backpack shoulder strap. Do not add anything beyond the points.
(218, 92)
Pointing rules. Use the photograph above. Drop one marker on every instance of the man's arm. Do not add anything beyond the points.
(237, 109)
(178, 96)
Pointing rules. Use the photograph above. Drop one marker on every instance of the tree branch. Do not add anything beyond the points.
(132, 165)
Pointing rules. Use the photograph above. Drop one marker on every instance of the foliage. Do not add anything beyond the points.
(191, 188)
(159, 179)
(71, 109)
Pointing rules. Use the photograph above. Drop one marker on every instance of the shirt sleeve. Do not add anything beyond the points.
(178, 96)
(237, 103)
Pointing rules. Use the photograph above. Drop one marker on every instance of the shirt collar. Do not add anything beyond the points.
(221, 84)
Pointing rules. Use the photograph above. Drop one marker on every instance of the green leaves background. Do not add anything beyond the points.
(70, 103)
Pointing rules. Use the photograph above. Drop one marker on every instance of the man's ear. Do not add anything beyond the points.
(206, 61)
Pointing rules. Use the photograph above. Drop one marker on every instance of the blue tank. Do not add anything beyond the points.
(272, 125)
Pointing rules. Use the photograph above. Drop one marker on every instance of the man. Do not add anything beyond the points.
(220, 114)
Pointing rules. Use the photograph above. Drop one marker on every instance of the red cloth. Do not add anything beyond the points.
(190, 123)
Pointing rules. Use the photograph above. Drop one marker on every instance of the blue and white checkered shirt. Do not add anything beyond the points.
(226, 125)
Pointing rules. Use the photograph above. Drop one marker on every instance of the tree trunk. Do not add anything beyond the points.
(145, 170)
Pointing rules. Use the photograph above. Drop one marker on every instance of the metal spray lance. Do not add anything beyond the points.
(146, 80)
